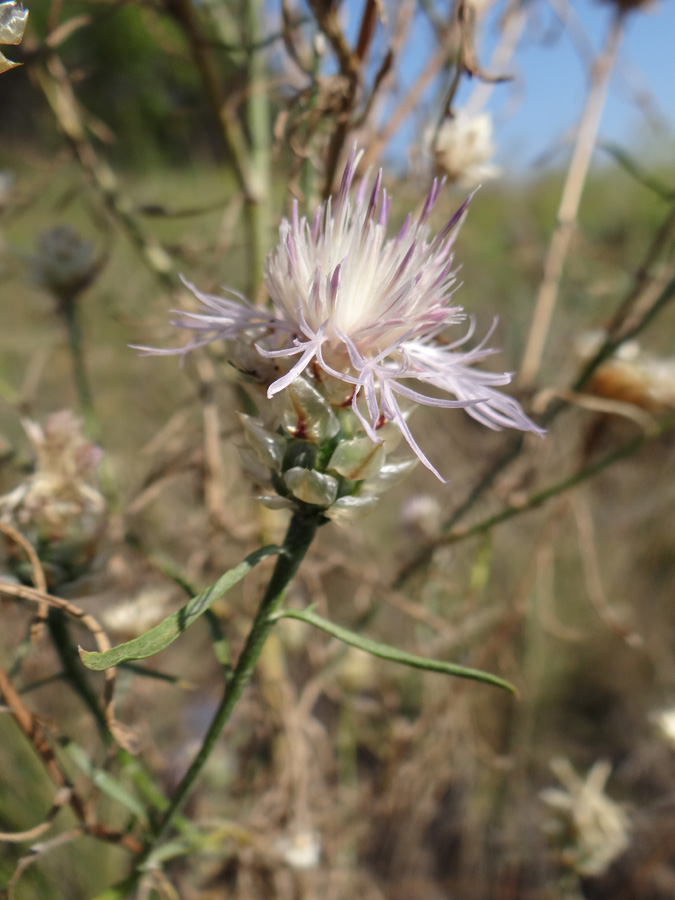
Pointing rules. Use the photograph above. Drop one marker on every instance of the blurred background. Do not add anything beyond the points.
(140, 140)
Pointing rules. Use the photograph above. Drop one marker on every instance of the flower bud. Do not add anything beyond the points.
(64, 262)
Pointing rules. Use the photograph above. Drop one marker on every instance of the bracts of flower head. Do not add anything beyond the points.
(360, 319)
(13, 21)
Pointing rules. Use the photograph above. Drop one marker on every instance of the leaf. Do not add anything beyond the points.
(393, 654)
(105, 782)
(664, 191)
(159, 637)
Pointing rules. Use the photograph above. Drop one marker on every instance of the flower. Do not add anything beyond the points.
(463, 149)
(360, 317)
(13, 20)
(596, 827)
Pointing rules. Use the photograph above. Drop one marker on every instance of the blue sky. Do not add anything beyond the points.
(534, 113)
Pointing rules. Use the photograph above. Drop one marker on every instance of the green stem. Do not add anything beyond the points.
(67, 652)
(300, 534)
(68, 308)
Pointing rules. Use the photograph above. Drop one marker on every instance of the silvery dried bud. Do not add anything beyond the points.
(13, 20)
(64, 263)
(58, 508)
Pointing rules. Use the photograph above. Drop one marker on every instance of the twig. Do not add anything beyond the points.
(123, 735)
(512, 28)
(665, 426)
(38, 576)
(36, 735)
(352, 66)
(251, 171)
(593, 577)
(55, 83)
(36, 852)
(569, 203)
(609, 347)
(405, 107)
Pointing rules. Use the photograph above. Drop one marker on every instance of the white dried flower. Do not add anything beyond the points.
(301, 849)
(58, 508)
(596, 827)
(463, 149)
(631, 375)
(357, 318)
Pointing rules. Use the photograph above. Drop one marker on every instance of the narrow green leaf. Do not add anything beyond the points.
(393, 654)
(664, 191)
(147, 672)
(105, 782)
(159, 637)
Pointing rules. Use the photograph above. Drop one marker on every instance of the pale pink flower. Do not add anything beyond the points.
(350, 304)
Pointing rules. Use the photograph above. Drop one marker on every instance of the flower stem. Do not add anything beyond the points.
(299, 536)
(69, 310)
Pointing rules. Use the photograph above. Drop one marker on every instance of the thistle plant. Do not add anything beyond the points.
(355, 318)
(349, 324)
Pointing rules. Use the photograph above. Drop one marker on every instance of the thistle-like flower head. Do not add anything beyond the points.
(361, 316)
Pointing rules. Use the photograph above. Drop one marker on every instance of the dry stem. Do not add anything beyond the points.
(569, 203)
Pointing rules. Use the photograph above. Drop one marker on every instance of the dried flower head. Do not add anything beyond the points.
(58, 508)
(13, 21)
(358, 321)
(631, 375)
(64, 262)
(594, 829)
(301, 849)
(463, 149)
